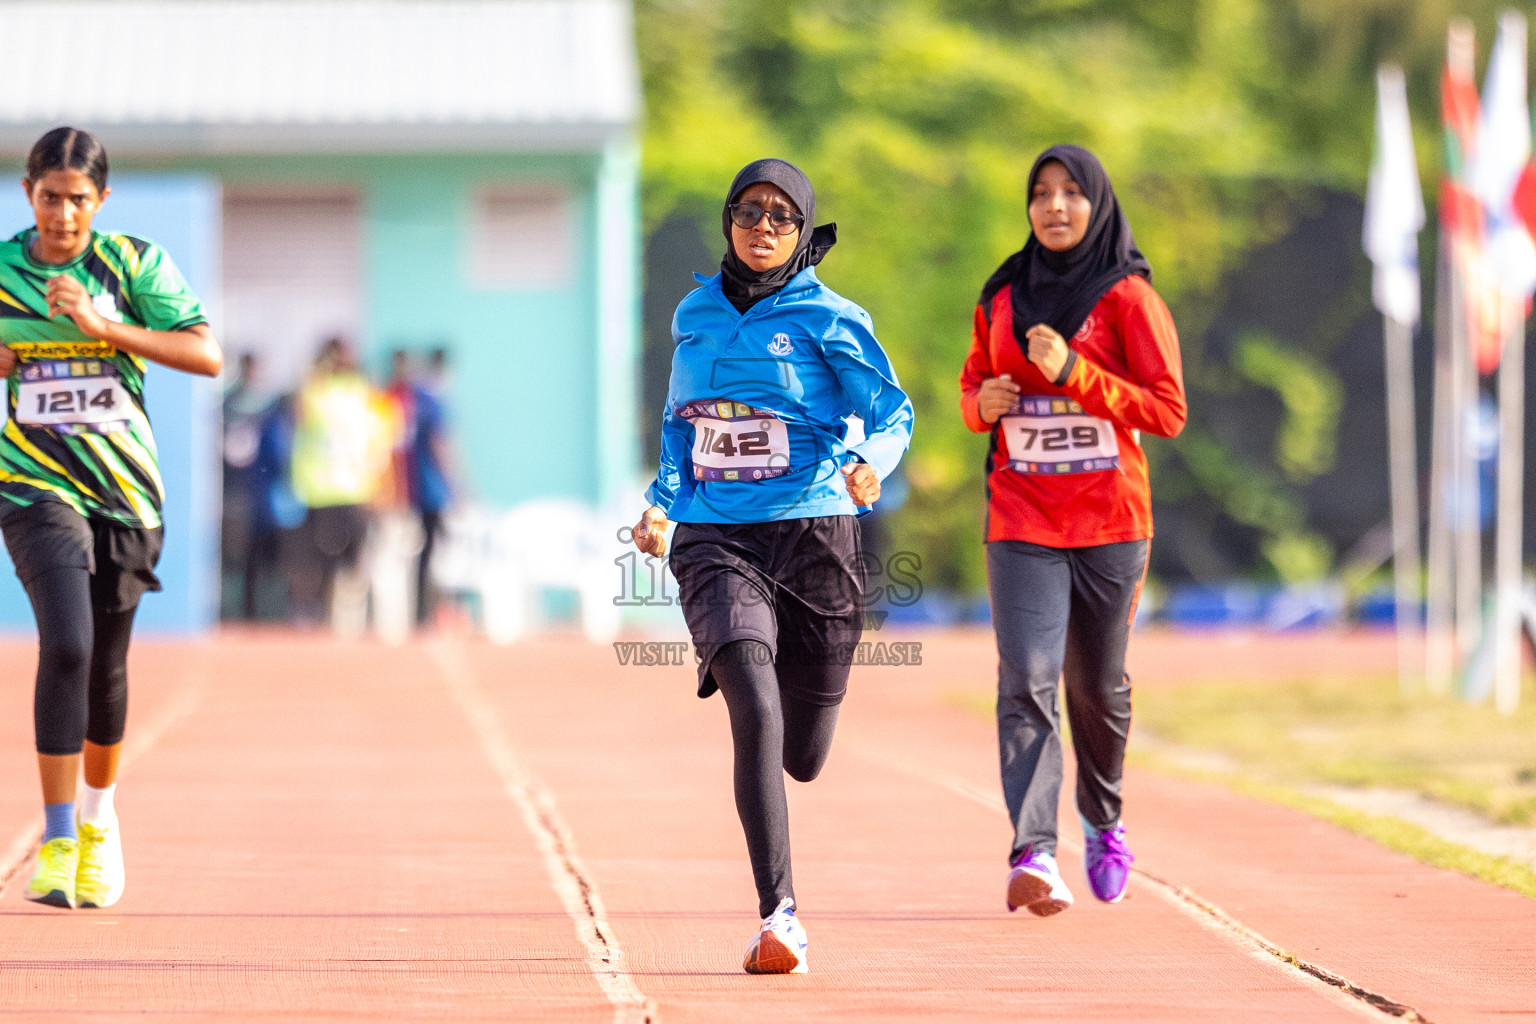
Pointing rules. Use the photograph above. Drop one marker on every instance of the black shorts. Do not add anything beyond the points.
(795, 585)
(50, 535)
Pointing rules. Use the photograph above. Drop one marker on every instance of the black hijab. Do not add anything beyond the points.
(746, 287)
(1060, 289)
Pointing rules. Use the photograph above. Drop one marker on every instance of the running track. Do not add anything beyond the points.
(449, 830)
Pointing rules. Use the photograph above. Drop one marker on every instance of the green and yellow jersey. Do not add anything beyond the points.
(77, 431)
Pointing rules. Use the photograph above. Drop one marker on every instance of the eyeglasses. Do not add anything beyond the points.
(745, 215)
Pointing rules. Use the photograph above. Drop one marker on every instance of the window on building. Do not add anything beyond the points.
(293, 272)
(522, 237)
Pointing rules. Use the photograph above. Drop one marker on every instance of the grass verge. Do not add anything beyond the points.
(1359, 732)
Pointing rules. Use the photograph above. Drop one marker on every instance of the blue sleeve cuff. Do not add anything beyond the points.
(654, 496)
(881, 451)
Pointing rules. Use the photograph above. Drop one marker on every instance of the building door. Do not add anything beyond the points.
(292, 276)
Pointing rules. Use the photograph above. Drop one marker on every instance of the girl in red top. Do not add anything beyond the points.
(1069, 512)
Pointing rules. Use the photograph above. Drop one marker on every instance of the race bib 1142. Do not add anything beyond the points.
(736, 442)
(1055, 436)
(72, 396)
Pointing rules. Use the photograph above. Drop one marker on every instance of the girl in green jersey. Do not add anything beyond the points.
(80, 490)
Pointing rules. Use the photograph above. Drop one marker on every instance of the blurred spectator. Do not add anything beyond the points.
(279, 516)
(343, 433)
(246, 404)
(422, 460)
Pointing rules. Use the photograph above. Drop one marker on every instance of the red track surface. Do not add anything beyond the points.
(455, 831)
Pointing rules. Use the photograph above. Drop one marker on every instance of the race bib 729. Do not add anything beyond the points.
(1055, 436)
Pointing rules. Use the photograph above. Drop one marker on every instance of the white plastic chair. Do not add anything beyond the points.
(510, 558)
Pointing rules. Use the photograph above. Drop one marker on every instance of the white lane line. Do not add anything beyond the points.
(19, 851)
(1334, 987)
(569, 878)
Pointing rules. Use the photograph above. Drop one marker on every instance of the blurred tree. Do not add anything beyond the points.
(1220, 121)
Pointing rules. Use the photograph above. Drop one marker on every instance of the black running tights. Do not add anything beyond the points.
(773, 732)
(82, 664)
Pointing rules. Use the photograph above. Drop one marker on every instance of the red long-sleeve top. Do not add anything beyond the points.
(1127, 372)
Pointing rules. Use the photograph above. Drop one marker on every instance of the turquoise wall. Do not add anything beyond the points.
(544, 379)
(524, 361)
(617, 297)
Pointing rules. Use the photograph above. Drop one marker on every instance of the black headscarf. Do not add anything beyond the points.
(746, 287)
(1060, 289)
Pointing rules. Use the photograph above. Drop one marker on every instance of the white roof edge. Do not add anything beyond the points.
(16, 140)
(323, 75)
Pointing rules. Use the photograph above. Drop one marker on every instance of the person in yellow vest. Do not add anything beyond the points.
(343, 434)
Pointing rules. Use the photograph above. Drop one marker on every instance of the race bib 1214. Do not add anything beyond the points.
(72, 396)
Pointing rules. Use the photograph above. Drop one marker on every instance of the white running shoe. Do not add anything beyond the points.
(780, 945)
(1034, 883)
(100, 878)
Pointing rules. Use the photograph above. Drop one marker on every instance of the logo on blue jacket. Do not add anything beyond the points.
(780, 345)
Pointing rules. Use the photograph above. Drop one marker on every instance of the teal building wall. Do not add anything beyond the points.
(544, 379)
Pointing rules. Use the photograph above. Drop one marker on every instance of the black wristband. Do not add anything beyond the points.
(1066, 369)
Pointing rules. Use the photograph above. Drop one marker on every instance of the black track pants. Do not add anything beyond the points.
(426, 593)
(773, 731)
(82, 664)
(1062, 613)
(84, 578)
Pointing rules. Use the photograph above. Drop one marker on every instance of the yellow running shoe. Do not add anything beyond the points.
(53, 882)
(99, 879)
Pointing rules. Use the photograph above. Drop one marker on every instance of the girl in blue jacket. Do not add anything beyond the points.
(757, 471)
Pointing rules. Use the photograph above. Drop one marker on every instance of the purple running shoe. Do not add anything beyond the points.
(1108, 861)
(1035, 884)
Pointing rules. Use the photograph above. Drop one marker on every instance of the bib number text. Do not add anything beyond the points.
(736, 442)
(72, 396)
(1055, 436)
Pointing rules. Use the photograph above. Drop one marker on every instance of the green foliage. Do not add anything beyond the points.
(918, 121)
(1312, 396)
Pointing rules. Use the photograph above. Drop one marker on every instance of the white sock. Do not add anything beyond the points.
(96, 805)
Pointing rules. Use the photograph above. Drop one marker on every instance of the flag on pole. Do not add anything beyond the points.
(1394, 215)
(1524, 199)
(1497, 172)
(1394, 204)
(1459, 111)
(1461, 214)
(1503, 151)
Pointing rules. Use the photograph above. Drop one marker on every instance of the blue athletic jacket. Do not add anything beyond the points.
(754, 428)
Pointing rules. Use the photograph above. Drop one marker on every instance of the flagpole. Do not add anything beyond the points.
(1511, 483)
(1394, 216)
(1439, 646)
(1403, 469)
(1501, 179)
(1466, 511)
(1463, 513)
